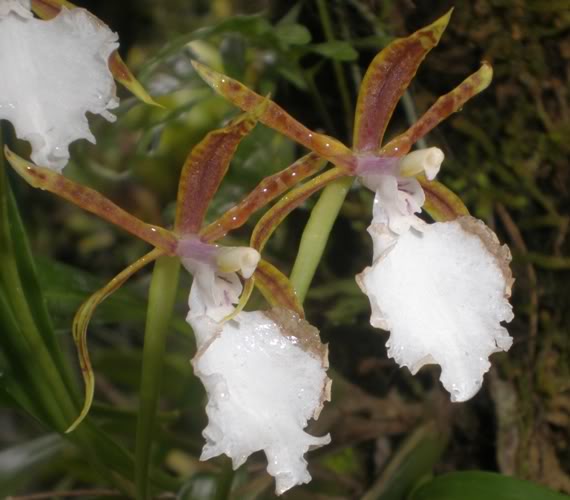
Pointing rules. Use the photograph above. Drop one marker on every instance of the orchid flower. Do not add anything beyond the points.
(441, 289)
(261, 369)
(54, 71)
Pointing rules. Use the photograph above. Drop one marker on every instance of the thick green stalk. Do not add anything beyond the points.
(316, 235)
(161, 300)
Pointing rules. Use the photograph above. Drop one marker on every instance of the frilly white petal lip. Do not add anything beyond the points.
(442, 293)
(265, 375)
(53, 73)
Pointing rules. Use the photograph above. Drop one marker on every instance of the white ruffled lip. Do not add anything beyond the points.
(54, 72)
(264, 383)
(265, 375)
(442, 293)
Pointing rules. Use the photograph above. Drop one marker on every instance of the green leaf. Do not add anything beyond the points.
(336, 50)
(414, 459)
(479, 485)
(293, 34)
(20, 462)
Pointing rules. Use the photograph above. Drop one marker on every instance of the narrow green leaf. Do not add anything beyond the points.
(414, 459)
(293, 34)
(19, 463)
(336, 50)
(480, 485)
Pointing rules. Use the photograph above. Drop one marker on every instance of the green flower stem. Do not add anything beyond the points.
(316, 235)
(161, 300)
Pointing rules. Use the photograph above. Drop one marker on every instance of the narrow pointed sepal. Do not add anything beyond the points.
(386, 80)
(81, 323)
(276, 117)
(445, 106)
(441, 203)
(204, 170)
(275, 215)
(442, 292)
(276, 288)
(48, 9)
(91, 201)
(265, 192)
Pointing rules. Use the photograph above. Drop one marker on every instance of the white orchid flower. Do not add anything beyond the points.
(441, 289)
(53, 73)
(264, 372)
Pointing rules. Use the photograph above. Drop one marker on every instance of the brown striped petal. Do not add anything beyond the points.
(90, 200)
(275, 215)
(276, 117)
(441, 109)
(276, 288)
(204, 170)
(266, 191)
(441, 203)
(386, 80)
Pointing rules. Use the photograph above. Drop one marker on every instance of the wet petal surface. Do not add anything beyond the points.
(442, 292)
(53, 73)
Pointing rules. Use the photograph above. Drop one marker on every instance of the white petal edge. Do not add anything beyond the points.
(53, 73)
(265, 375)
(22, 8)
(442, 293)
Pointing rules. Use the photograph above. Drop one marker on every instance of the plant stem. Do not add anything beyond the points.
(325, 212)
(316, 234)
(161, 300)
(337, 67)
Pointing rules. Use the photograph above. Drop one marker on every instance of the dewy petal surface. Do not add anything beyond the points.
(442, 292)
(53, 73)
(265, 374)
